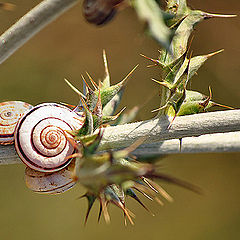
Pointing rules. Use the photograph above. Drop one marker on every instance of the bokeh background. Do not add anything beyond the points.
(66, 49)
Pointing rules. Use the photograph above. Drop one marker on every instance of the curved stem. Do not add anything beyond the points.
(209, 143)
(156, 130)
(217, 131)
(30, 24)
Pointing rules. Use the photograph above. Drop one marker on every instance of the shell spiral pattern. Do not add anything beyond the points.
(10, 113)
(41, 140)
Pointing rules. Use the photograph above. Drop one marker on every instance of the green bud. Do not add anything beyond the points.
(109, 92)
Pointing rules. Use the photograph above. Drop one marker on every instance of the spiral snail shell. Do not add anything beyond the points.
(50, 183)
(10, 113)
(41, 140)
(99, 11)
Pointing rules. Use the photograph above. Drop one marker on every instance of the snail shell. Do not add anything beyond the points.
(50, 183)
(99, 11)
(10, 113)
(41, 140)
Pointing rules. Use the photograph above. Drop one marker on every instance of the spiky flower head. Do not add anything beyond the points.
(112, 176)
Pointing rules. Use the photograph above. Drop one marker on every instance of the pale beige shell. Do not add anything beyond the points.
(10, 113)
(99, 11)
(50, 183)
(41, 138)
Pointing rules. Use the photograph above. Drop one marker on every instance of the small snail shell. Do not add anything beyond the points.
(99, 11)
(41, 140)
(50, 183)
(10, 113)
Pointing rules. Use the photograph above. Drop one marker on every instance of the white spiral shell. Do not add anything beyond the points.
(10, 113)
(50, 183)
(41, 140)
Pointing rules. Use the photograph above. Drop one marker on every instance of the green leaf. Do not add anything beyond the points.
(150, 12)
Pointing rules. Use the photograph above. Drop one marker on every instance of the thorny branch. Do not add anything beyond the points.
(218, 131)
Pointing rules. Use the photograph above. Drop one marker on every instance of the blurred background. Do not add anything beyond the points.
(66, 49)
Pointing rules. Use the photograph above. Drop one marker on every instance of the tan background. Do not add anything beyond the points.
(69, 47)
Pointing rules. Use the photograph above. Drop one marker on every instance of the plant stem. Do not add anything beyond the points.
(217, 142)
(156, 130)
(30, 24)
(218, 131)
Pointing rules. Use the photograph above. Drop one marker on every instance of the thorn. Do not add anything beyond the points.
(158, 109)
(121, 111)
(118, 114)
(224, 106)
(127, 213)
(84, 195)
(68, 105)
(104, 210)
(136, 144)
(189, 46)
(144, 194)
(90, 204)
(124, 81)
(152, 65)
(92, 82)
(158, 201)
(151, 59)
(175, 181)
(158, 189)
(214, 53)
(171, 123)
(161, 83)
(100, 212)
(135, 197)
(210, 93)
(88, 87)
(98, 107)
(74, 89)
(74, 155)
(125, 220)
(206, 102)
(215, 104)
(149, 185)
(72, 142)
(84, 104)
(211, 15)
(143, 188)
(105, 63)
(178, 22)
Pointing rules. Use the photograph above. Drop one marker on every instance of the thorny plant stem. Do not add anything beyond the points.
(156, 130)
(217, 142)
(30, 24)
(217, 131)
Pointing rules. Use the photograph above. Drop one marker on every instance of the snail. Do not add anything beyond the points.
(50, 183)
(99, 11)
(10, 113)
(41, 138)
